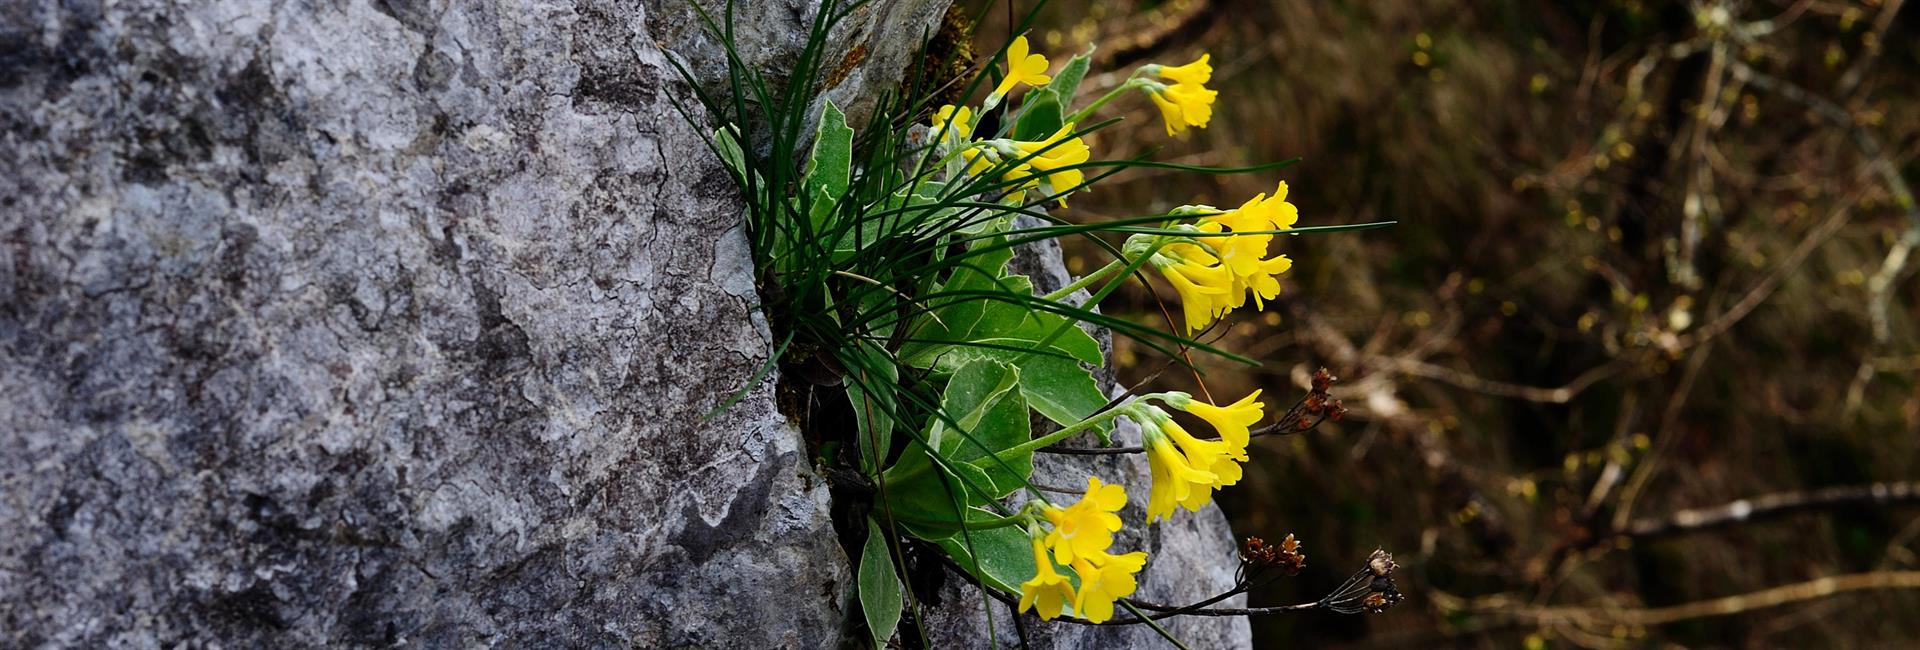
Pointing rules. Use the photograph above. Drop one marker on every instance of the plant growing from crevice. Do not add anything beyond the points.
(883, 258)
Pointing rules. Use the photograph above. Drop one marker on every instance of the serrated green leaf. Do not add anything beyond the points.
(1013, 325)
(957, 321)
(988, 416)
(880, 595)
(955, 318)
(1058, 387)
(903, 220)
(918, 491)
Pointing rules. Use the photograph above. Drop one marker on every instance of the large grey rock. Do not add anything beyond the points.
(386, 322)
(398, 322)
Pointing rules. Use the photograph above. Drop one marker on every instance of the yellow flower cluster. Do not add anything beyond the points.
(1050, 161)
(1226, 259)
(1186, 100)
(1186, 470)
(1080, 537)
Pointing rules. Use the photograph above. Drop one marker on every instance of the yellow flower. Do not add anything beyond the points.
(1186, 470)
(1203, 288)
(1246, 255)
(1183, 105)
(960, 120)
(1186, 101)
(1104, 580)
(1086, 528)
(1058, 151)
(1174, 478)
(1048, 590)
(1196, 73)
(1047, 157)
(1022, 67)
(1232, 421)
(1214, 456)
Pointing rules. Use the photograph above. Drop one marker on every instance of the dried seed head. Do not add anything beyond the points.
(1381, 563)
(1371, 589)
(1381, 601)
(1257, 554)
(1290, 559)
(1323, 380)
(1336, 410)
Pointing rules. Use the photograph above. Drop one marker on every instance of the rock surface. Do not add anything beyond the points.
(386, 322)
(396, 322)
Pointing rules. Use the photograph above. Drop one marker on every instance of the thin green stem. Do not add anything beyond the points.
(1111, 95)
(1065, 432)
(1085, 281)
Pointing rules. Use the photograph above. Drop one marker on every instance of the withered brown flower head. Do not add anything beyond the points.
(1381, 563)
(1257, 554)
(1371, 589)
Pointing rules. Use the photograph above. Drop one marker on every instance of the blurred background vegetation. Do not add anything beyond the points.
(1651, 261)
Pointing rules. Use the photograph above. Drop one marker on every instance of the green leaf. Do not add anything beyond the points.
(988, 416)
(1001, 558)
(829, 168)
(1061, 389)
(730, 152)
(1039, 117)
(910, 215)
(873, 376)
(880, 594)
(962, 319)
(1067, 82)
(918, 492)
(1057, 387)
(956, 316)
(984, 400)
(973, 391)
(1021, 326)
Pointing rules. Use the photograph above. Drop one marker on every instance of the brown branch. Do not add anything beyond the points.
(1773, 505)
(1896, 261)
(1559, 395)
(1727, 606)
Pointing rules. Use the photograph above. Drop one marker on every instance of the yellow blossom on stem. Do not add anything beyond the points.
(1183, 105)
(1050, 158)
(1197, 73)
(1174, 478)
(1181, 93)
(1086, 528)
(953, 121)
(1056, 152)
(1233, 421)
(1245, 256)
(1203, 287)
(1023, 67)
(1104, 580)
(1048, 591)
(1216, 457)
